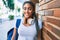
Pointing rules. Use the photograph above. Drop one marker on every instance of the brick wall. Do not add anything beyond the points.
(51, 27)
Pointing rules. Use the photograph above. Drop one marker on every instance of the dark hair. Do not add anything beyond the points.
(31, 3)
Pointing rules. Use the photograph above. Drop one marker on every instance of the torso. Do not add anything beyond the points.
(26, 33)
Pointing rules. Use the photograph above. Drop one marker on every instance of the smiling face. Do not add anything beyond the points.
(28, 10)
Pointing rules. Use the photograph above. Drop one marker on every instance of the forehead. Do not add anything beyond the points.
(28, 5)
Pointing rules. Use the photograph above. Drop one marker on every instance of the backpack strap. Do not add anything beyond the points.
(37, 26)
(10, 32)
(18, 23)
(38, 29)
(17, 26)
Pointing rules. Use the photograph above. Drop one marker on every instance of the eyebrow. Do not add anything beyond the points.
(26, 7)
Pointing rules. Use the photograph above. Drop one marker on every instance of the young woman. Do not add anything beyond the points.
(27, 29)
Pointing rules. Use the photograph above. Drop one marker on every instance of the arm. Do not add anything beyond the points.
(39, 35)
(14, 33)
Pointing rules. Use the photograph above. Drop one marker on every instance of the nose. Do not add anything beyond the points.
(27, 10)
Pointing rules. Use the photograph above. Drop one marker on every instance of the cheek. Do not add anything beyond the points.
(30, 12)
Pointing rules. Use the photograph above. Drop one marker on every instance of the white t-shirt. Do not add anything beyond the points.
(28, 33)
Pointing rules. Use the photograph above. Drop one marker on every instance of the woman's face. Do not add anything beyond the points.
(28, 10)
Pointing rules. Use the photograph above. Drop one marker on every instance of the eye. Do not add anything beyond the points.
(29, 8)
(24, 8)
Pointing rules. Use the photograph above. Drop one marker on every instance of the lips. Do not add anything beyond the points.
(26, 15)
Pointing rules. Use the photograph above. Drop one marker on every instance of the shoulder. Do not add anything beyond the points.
(39, 17)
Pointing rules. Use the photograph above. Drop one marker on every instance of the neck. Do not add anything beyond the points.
(25, 20)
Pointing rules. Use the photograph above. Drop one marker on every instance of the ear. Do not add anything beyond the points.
(23, 15)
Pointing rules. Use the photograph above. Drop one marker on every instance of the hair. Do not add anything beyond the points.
(29, 2)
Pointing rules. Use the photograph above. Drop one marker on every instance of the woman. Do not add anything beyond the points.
(27, 28)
